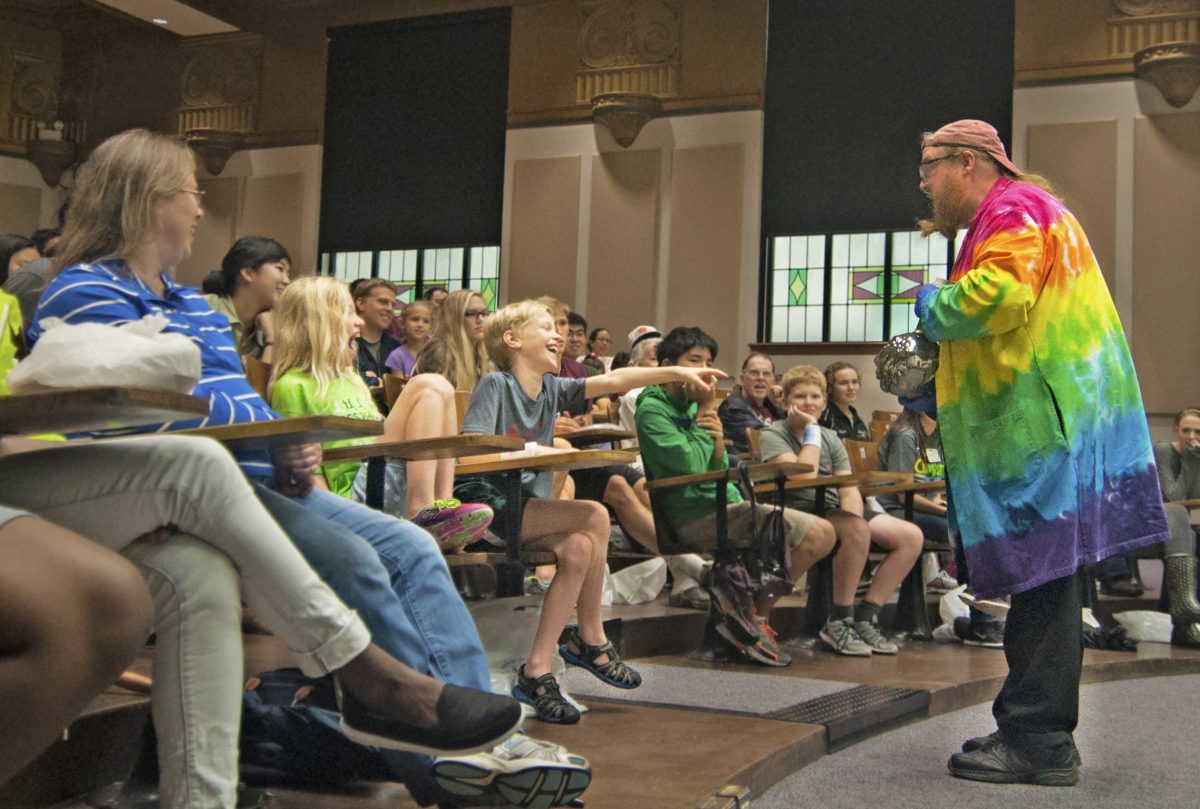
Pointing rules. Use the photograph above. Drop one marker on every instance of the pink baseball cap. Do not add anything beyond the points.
(972, 134)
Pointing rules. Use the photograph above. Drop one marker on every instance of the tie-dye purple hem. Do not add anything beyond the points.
(1012, 563)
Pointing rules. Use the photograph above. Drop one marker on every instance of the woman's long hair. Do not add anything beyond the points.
(465, 362)
(310, 332)
(248, 252)
(114, 207)
(907, 420)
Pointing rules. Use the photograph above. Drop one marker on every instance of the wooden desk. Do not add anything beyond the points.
(862, 479)
(595, 434)
(772, 471)
(81, 410)
(287, 432)
(425, 449)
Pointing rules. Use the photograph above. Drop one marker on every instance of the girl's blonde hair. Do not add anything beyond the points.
(114, 207)
(310, 332)
(464, 362)
(514, 318)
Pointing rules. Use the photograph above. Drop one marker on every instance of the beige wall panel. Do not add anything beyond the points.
(706, 228)
(1081, 160)
(20, 208)
(544, 237)
(623, 243)
(272, 207)
(1042, 50)
(1166, 242)
(215, 235)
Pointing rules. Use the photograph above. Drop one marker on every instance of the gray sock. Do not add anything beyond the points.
(840, 613)
(866, 611)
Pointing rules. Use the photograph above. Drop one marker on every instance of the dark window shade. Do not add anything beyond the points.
(850, 88)
(414, 133)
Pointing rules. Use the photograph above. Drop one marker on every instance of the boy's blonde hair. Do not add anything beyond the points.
(310, 332)
(514, 318)
(557, 308)
(802, 375)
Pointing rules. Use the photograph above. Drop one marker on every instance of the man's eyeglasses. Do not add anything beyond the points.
(923, 169)
(476, 314)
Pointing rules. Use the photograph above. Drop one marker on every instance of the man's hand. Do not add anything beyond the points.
(925, 296)
(565, 424)
(926, 404)
(708, 420)
(295, 466)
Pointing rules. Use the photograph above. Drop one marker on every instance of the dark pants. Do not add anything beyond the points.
(1038, 707)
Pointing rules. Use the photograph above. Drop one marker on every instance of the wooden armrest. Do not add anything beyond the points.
(284, 432)
(758, 471)
(687, 480)
(425, 449)
(99, 408)
(904, 488)
(1192, 502)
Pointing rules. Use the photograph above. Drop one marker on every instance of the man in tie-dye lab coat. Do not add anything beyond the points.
(1043, 432)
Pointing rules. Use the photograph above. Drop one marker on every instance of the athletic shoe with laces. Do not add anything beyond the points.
(943, 582)
(520, 771)
(844, 639)
(873, 636)
(988, 633)
(454, 524)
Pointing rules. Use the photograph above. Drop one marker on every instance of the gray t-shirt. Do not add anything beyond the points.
(500, 406)
(779, 439)
(28, 283)
(903, 454)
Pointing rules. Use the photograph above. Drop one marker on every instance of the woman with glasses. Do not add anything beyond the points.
(751, 405)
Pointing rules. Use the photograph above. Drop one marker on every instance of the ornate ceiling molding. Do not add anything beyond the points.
(1162, 39)
(628, 46)
(220, 83)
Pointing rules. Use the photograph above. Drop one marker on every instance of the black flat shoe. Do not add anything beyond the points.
(999, 763)
(469, 721)
(994, 736)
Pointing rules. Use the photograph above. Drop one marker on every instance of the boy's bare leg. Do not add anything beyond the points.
(425, 409)
(903, 541)
(577, 532)
(72, 615)
(851, 557)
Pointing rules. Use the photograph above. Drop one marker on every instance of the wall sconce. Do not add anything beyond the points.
(214, 146)
(624, 114)
(50, 153)
(1172, 67)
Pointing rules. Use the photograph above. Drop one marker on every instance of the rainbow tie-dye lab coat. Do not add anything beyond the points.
(1043, 432)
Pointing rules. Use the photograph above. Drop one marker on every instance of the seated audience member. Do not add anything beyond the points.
(435, 296)
(314, 375)
(679, 433)
(452, 360)
(751, 406)
(72, 616)
(1178, 463)
(15, 252)
(643, 355)
(28, 282)
(577, 344)
(850, 630)
(842, 383)
(11, 341)
(375, 301)
(116, 260)
(253, 274)
(522, 400)
(598, 344)
(44, 240)
(177, 508)
(416, 322)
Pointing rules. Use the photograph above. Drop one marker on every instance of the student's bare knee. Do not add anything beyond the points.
(574, 552)
(120, 611)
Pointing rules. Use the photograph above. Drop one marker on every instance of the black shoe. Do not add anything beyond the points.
(998, 763)
(994, 736)
(469, 721)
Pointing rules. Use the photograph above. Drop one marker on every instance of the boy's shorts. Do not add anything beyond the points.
(701, 532)
(591, 483)
(490, 490)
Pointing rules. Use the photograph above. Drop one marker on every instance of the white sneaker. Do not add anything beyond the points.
(943, 582)
(520, 771)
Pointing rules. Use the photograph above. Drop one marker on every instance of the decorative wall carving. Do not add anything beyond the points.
(1162, 37)
(220, 84)
(628, 46)
(1142, 8)
(1174, 68)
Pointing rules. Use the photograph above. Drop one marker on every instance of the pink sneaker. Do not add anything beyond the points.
(454, 524)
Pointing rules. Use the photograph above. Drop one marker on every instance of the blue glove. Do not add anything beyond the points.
(926, 403)
(925, 294)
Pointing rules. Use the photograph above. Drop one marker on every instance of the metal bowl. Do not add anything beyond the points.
(906, 365)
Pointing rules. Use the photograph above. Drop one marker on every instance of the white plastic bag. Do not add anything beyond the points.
(1146, 625)
(950, 606)
(132, 355)
(639, 583)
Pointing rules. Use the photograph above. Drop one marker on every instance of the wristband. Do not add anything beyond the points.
(812, 436)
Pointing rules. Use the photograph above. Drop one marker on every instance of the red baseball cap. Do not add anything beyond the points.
(972, 134)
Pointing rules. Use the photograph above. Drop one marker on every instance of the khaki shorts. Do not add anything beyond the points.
(702, 531)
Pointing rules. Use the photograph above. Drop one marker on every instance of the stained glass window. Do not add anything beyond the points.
(849, 287)
(484, 274)
(414, 271)
(400, 267)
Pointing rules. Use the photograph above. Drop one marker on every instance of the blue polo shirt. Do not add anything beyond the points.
(108, 292)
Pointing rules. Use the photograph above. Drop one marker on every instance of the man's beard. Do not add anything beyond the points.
(950, 212)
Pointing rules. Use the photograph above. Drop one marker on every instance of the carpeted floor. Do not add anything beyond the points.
(1137, 737)
(702, 688)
